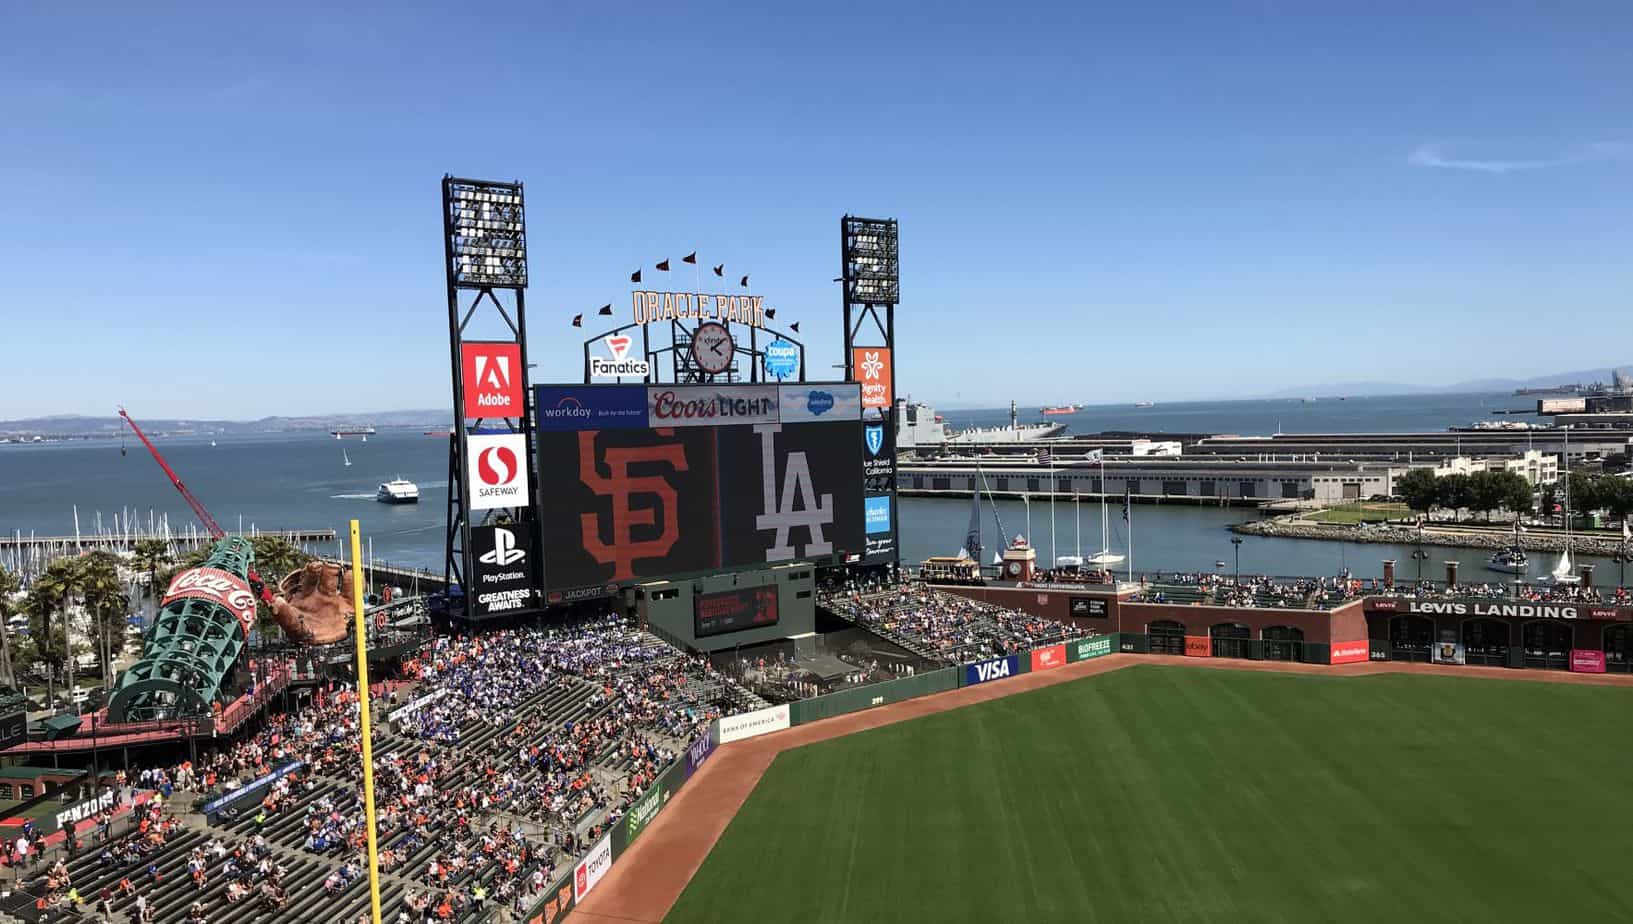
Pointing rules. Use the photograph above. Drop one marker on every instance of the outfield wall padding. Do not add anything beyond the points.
(856, 699)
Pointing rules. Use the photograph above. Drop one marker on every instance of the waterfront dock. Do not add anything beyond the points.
(123, 541)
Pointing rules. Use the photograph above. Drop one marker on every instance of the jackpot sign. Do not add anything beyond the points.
(217, 586)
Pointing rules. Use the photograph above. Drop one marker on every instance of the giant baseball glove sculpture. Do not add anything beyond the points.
(314, 604)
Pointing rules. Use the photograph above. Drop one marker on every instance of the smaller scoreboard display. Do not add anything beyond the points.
(735, 610)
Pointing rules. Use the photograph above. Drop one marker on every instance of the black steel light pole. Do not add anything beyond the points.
(1236, 541)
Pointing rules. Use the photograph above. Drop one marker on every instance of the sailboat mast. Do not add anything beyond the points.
(1105, 527)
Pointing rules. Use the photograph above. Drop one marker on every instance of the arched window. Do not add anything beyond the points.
(1166, 637)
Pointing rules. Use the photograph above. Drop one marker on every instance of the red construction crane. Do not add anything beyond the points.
(216, 532)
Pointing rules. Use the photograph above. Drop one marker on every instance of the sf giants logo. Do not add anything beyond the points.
(799, 506)
(621, 487)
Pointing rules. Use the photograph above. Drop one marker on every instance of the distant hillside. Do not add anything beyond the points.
(1470, 386)
(74, 425)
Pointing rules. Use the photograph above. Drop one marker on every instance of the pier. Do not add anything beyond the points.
(126, 540)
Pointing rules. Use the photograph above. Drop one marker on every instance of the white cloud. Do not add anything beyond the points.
(1443, 155)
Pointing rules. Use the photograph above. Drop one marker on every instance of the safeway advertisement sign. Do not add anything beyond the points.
(871, 366)
(217, 586)
(492, 379)
(595, 865)
(496, 466)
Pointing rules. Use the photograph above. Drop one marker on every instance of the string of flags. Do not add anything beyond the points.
(662, 266)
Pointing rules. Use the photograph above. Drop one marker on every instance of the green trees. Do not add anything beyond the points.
(148, 556)
(1418, 489)
(106, 602)
(48, 606)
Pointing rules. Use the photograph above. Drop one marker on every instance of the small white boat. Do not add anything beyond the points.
(398, 491)
(1562, 571)
(1508, 561)
(345, 458)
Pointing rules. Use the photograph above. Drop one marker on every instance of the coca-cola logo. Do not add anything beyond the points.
(213, 584)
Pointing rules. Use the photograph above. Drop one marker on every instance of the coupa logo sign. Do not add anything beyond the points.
(995, 669)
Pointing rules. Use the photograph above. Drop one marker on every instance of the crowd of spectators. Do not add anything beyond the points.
(947, 627)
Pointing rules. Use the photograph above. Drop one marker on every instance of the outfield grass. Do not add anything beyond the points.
(1179, 794)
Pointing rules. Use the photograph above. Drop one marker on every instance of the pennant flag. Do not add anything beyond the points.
(1045, 458)
(663, 265)
(690, 258)
(771, 313)
(720, 270)
(1627, 531)
(1094, 456)
(578, 320)
(744, 283)
(635, 276)
(794, 327)
(606, 311)
(1127, 496)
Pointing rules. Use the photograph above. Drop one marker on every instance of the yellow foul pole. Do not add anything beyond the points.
(367, 733)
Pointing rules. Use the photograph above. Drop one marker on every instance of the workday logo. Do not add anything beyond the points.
(567, 408)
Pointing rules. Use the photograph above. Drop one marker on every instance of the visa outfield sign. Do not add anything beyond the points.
(639, 406)
(993, 669)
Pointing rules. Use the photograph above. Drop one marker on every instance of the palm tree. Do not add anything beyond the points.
(9, 585)
(148, 556)
(51, 596)
(107, 603)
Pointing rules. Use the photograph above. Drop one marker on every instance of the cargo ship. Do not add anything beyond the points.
(918, 425)
(1062, 409)
(364, 432)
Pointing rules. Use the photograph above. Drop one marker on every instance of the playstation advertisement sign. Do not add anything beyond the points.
(501, 583)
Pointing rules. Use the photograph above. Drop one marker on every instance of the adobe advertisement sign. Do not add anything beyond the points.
(491, 376)
(872, 369)
(496, 469)
(734, 610)
(502, 581)
(628, 505)
(1587, 661)
(1350, 652)
(569, 408)
(222, 588)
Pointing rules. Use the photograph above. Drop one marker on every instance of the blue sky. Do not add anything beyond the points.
(219, 214)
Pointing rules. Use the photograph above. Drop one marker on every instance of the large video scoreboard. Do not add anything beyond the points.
(640, 482)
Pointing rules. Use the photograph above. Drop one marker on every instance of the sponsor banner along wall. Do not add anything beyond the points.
(80, 811)
(1198, 646)
(1447, 652)
(856, 699)
(594, 866)
(1350, 652)
(1046, 658)
(991, 669)
(633, 505)
(805, 403)
(1088, 607)
(1587, 661)
(1498, 608)
(701, 749)
(250, 788)
(1085, 648)
(753, 724)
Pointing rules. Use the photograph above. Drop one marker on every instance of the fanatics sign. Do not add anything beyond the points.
(492, 379)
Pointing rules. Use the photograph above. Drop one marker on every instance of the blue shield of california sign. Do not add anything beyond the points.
(875, 436)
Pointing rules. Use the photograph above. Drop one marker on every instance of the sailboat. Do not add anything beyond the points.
(345, 458)
(1104, 558)
(1562, 570)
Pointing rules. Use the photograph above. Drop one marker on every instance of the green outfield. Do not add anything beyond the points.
(1180, 794)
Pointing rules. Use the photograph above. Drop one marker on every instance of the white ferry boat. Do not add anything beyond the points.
(398, 491)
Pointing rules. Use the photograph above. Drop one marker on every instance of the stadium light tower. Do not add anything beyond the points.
(490, 473)
(871, 287)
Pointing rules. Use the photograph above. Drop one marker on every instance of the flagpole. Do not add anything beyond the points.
(1052, 556)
